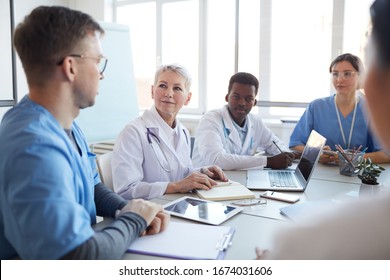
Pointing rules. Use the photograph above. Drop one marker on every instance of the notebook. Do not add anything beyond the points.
(226, 191)
(292, 179)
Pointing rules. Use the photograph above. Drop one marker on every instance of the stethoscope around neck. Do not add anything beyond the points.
(150, 135)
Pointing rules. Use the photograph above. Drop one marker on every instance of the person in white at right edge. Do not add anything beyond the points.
(360, 229)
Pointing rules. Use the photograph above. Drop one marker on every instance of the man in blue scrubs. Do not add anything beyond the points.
(50, 191)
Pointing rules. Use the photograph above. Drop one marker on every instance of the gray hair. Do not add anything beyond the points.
(176, 68)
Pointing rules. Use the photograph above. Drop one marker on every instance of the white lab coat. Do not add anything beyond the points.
(218, 142)
(137, 172)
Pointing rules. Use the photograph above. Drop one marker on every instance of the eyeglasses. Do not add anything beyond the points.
(101, 60)
(345, 75)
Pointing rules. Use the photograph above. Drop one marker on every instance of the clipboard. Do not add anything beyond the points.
(186, 241)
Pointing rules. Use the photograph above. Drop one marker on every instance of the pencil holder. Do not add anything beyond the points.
(348, 162)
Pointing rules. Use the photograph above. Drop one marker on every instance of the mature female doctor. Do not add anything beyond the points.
(151, 155)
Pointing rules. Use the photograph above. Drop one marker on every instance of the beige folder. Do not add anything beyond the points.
(226, 191)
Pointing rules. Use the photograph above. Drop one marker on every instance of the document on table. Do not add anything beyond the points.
(186, 241)
(226, 191)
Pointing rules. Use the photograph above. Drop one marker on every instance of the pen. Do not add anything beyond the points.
(355, 152)
(342, 153)
(277, 146)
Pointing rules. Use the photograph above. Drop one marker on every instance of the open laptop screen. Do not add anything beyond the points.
(311, 153)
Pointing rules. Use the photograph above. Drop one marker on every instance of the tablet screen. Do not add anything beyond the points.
(202, 210)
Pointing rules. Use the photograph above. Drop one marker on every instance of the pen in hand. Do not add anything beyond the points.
(277, 147)
(290, 157)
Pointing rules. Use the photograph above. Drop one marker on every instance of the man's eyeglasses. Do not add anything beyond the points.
(102, 61)
(345, 75)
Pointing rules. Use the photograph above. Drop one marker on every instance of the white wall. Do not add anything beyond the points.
(6, 76)
(21, 9)
(96, 8)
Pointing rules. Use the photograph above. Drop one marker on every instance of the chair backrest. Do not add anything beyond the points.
(105, 171)
(192, 144)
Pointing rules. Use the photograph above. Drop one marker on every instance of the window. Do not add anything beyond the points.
(180, 39)
(297, 47)
(7, 57)
(356, 26)
(162, 32)
(220, 46)
(141, 18)
(287, 44)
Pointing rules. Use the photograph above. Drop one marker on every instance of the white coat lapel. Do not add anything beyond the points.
(179, 157)
(234, 141)
(248, 147)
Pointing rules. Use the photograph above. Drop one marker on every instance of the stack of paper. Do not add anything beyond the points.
(226, 191)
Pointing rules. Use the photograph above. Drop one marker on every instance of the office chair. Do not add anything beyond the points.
(192, 144)
(105, 171)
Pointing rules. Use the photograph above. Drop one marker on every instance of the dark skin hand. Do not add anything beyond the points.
(281, 161)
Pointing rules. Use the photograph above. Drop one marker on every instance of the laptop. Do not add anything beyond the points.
(290, 179)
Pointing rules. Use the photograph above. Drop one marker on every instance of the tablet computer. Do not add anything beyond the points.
(205, 211)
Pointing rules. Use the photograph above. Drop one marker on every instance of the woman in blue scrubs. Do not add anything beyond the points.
(340, 118)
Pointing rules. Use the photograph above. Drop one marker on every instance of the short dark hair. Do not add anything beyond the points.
(355, 61)
(47, 35)
(244, 78)
(380, 15)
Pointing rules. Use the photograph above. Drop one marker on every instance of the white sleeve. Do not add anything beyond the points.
(264, 138)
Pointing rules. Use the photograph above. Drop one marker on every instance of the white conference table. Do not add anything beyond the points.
(257, 225)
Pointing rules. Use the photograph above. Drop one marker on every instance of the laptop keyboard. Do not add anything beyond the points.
(282, 179)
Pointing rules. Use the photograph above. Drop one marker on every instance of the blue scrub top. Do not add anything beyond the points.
(321, 116)
(46, 188)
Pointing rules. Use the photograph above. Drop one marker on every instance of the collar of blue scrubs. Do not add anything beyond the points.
(72, 139)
